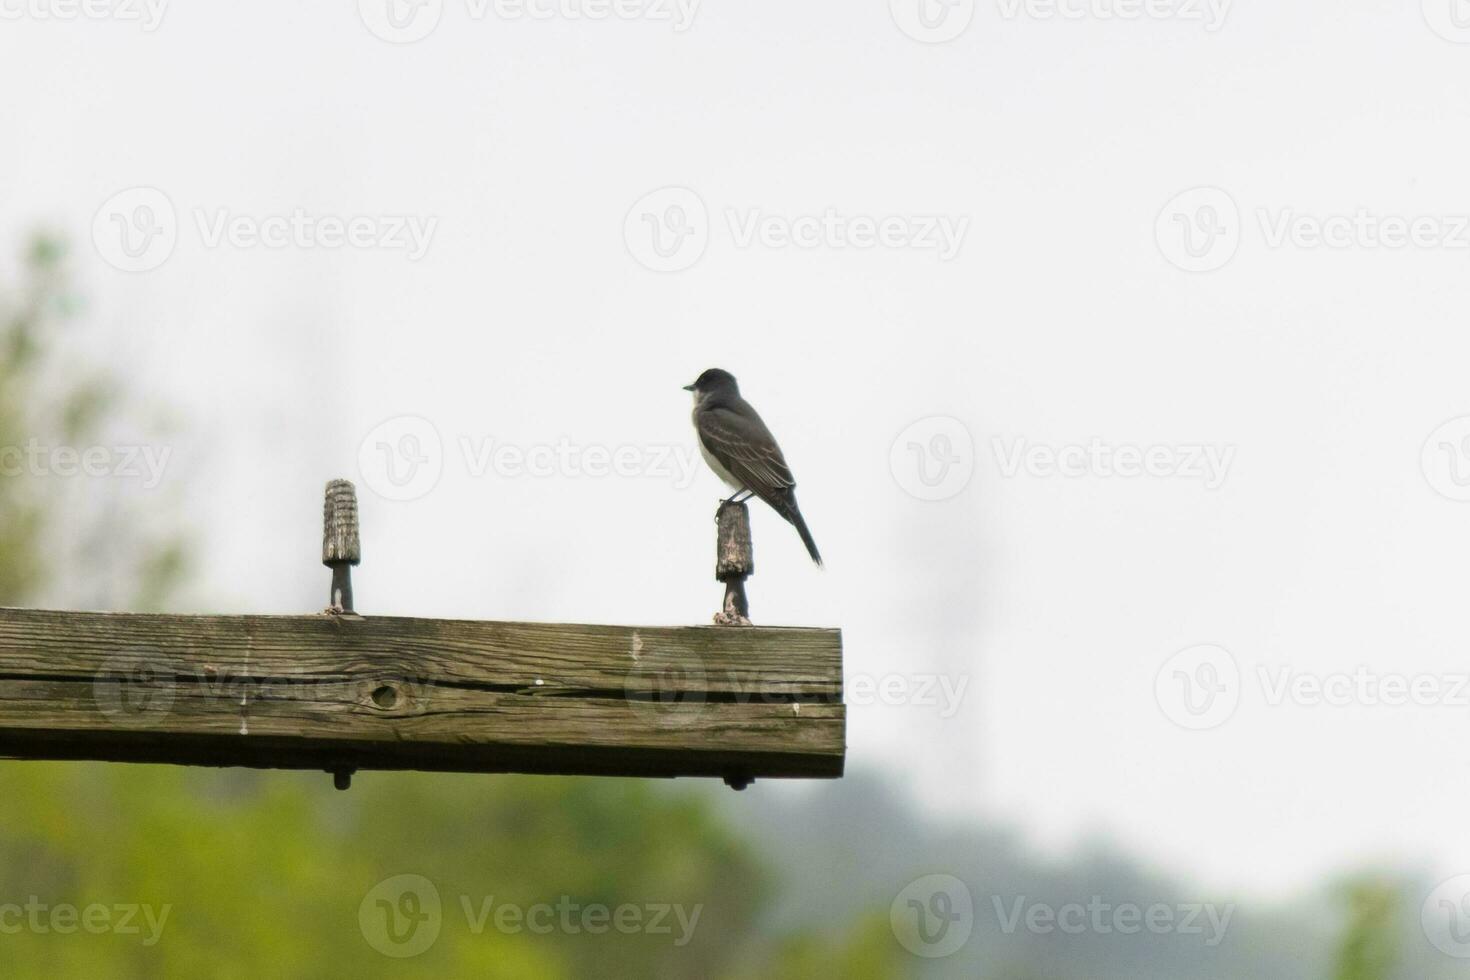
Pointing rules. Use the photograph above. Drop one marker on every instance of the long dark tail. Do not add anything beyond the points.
(787, 508)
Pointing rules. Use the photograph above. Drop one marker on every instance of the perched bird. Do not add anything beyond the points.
(741, 450)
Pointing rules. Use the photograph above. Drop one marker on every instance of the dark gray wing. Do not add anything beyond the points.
(744, 446)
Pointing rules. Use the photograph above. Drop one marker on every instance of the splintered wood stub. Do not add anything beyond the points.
(734, 562)
(340, 541)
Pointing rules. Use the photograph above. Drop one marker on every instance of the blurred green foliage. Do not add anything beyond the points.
(267, 874)
(1370, 943)
(57, 539)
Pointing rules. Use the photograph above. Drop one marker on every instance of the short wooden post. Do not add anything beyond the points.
(734, 562)
(341, 546)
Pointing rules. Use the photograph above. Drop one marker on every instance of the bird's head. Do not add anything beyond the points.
(713, 382)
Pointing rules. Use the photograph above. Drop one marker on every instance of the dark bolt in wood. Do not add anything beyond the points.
(734, 562)
(341, 547)
(342, 778)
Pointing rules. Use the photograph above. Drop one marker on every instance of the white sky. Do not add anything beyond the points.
(1060, 320)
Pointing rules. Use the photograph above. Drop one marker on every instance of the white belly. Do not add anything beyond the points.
(719, 470)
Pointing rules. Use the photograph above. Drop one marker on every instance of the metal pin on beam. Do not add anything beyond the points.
(734, 562)
(341, 547)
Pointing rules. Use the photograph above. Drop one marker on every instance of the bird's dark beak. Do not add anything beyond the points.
(688, 387)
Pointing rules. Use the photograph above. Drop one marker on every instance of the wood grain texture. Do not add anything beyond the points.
(734, 557)
(389, 693)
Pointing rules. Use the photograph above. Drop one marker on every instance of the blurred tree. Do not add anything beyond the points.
(867, 952)
(1369, 946)
(131, 556)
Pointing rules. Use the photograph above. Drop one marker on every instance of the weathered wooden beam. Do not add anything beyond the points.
(344, 692)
